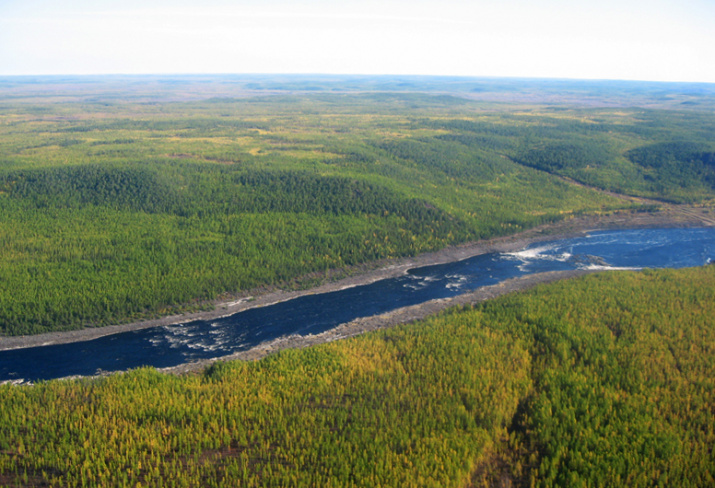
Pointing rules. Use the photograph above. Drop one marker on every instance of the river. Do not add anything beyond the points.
(312, 314)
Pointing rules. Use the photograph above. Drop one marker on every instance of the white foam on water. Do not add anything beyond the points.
(456, 281)
(539, 253)
(412, 286)
(640, 238)
(173, 342)
(178, 336)
(192, 338)
(458, 277)
(418, 282)
(528, 256)
(204, 347)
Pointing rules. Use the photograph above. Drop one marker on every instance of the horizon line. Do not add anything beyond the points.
(342, 75)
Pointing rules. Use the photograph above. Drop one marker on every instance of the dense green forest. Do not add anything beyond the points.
(130, 203)
(605, 380)
(127, 197)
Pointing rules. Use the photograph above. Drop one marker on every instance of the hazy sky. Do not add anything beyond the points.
(670, 40)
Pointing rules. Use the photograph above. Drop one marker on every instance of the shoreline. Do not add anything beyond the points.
(669, 217)
(386, 320)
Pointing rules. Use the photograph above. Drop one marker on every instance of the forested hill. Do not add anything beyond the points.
(606, 380)
(127, 206)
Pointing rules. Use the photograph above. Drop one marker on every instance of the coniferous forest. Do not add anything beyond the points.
(578, 383)
(124, 204)
(124, 198)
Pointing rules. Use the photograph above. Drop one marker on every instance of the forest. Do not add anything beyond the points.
(126, 199)
(576, 383)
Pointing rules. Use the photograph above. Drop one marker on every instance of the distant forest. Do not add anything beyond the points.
(131, 197)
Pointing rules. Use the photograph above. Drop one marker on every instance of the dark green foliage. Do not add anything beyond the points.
(441, 157)
(672, 153)
(612, 155)
(134, 188)
(480, 141)
(680, 163)
(565, 158)
(299, 192)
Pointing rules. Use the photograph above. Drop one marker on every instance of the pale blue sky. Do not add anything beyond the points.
(662, 40)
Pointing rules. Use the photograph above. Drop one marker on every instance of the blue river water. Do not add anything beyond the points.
(312, 314)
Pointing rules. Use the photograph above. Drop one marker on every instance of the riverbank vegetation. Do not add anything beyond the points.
(605, 380)
(132, 203)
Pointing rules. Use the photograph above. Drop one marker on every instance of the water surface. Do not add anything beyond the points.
(312, 314)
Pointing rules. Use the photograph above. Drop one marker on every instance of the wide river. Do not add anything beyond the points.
(312, 314)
